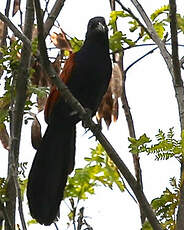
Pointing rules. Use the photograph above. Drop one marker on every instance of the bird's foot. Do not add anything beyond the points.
(97, 127)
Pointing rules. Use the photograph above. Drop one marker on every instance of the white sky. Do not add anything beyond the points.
(153, 106)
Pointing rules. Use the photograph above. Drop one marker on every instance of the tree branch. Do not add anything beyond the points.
(5, 215)
(178, 83)
(134, 17)
(17, 113)
(154, 36)
(174, 44)
(140, 58)
(52, 16)
(66, 94)
(16, 31)
(128, 115)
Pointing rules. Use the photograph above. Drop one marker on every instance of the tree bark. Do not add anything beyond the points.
(17, 117)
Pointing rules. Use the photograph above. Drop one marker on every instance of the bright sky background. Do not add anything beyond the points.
(153, 106)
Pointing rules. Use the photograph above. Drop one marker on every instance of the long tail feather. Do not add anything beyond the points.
(53, 162)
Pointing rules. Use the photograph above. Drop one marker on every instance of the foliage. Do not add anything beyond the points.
(165, 148)
(162, 10)
(117, 39)
(99, 170)
(147, 226)
(165, 206)
(10, 64)
(159, 18)
(76, 44)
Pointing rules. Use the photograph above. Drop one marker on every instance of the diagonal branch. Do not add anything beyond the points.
(154, 36)
(16, 31)
(53, 15)
(134, 17)
(66, 94)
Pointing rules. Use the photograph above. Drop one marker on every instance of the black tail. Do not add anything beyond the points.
(47, 179)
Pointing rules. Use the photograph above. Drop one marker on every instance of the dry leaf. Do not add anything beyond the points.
(34, 32)
(16, 7)
(36, 136)
(116, 81)
(105, 108)
(1, 30)
(116, 85)
(60, 41)
(39, 77)
(4, 136)
(41, 103)
(109, 107)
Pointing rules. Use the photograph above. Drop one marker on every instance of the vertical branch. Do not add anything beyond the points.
(130, 123)
(17, 115)
(138, 172)
(180, 93)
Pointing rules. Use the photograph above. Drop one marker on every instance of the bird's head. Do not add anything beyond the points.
(97, 28)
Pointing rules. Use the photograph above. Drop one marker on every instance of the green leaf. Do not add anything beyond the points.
(166, 205)
(139, 145)
(159, 28)
(33, 221)
(165, 147)
(159, 11)
(76, 44)
(114, 16)
(147, 226)
(100, 170)
(180, 22)
(115, 41)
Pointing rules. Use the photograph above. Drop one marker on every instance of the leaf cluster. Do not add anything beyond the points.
(100, 170)
(166, 146)
(118, 39)
(9, 63)
(166, 205)
(76, 44)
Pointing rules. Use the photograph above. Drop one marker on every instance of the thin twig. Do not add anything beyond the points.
(16, 31)
(5, 215)
(128, 115)
(140, 58)
(154, 36)
(18, 192)
(134, 17)
(56, 226)
(71, 100)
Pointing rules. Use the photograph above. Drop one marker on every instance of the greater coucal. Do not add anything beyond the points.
(86, 73)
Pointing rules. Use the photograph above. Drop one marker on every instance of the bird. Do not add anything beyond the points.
(87, 74)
